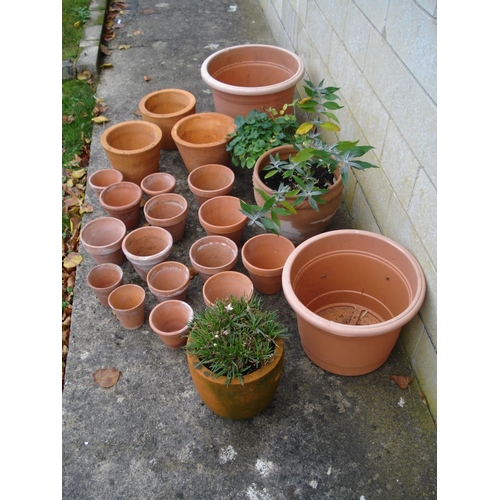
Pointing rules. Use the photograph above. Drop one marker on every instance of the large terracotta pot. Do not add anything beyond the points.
(202, 139)
(306, 222)
(253, 76)
(209, 181)
(238, 402)
(133, 148)
(165, 108)
(352, 292)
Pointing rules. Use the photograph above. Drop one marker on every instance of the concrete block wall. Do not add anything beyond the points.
(382, 53)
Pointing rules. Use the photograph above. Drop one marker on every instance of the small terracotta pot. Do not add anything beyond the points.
(209, 181)
(165, 108)
(133, 148)
(222, 216)
(102, 238)
(169, 211)
(128, 304)
(169, 321)
(202, 139)
(147, 246)
(225, 284)
(264, 256)
(168, 281)
(103, 279)
(101, 179)
(158, 183)
(123, 201)
(213, 254)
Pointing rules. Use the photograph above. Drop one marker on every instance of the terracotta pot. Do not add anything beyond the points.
(101, 179)
(145, 247)
(237, 401)
(246, 77)
(209, 181)
(222, 216)
(307, 222)
(169, 321)
(122, 200)
(102, 238)
(264, 256)
(133, 148)
(352, 292)
(213, 254)
(168, 281)
(165, 108)
(225, 284)
(128, 304)
(168, 211)
(202, 139)
(158, 183)
(103, 279)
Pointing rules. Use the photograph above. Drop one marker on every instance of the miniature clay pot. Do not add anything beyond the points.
(158, 183)
(169, 321)
(168, 211)
(252, 76)
(101, 179)
(264, 257)
(223, 285)
(122, 200)
(147, 246)
(222, 216)
(209, 181)
(165, 108)
(103, 279)
(213, 254)
(133, 148)
(128, 304)
(202, 139)
(168, 281)
(102, 238)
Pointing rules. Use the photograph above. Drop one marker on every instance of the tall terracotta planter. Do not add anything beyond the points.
(165, 108)
(352, 292)
(133, 148)
(307, 222)
(168, 210)
(102, 238)
(253, 76)
(122, 200)
(202, 139)
(209, 181)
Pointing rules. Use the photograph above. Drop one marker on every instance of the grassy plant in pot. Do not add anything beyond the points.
(235, 353)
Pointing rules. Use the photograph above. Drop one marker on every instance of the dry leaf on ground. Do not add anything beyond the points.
(402, 381)
(107, 377)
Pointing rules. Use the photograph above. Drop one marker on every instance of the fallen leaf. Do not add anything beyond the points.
(137, 112)
(105, 50)
(147, 78)
(123, 47)
(100, 119)
(77, 174)
(68, 119)
(107, 377)
(424, 399)
(72, 260)
(148, 11)
(77, 24)
(138, 32)
(402, 381)
(86, 208)
(106, 65)
(84, 75)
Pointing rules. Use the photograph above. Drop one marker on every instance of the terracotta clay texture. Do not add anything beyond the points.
(165, 108)
(168, 281)
(238, 402)
(222, 285)
(128, 304)
(102, 238)
(209, 181)
(158, 183)
(122, 200)
(101, 179)
(352, 291)
(169, 321)
(103, 279)
(213, 254)
(253, 76)
(168, 211)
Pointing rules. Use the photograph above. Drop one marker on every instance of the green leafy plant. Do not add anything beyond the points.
(235, 337)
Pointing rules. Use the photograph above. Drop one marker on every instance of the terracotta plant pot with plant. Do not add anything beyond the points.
(128, 304)
(101, 179)
(158, 183)
(236, 366)
(352, 292)
(227, 284)
(209, 181)
(103, 279)
(102, 238)
(169, 320)
(213, 254)
(168, 281)
(122, 200)
(253, 76)
(165, 108)
(169, 211)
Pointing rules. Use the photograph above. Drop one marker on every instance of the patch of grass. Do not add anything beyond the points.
(73, 11)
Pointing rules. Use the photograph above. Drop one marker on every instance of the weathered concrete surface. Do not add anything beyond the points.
(150, 436)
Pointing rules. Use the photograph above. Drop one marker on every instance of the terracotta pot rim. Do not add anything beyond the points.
(143, 102)
(130, 186)
(166, 305)
(162, 265)
(158, 134)
(128, 286)
(266, 271)
(101, 220)
(163, 233)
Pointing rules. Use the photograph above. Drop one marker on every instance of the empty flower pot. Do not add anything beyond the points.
(223, 285)
(169, 211)
(145, 247)
(168, 281)
(213, 254)
(169, 321)
(103, 279)
(209, 181)
(158, 183)
(202, 139)
(128, 304)
(102, 238)
(122, 200)
(264, 257)
(222, 216)
(165, 108)
(133, 148)
(101, 179)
